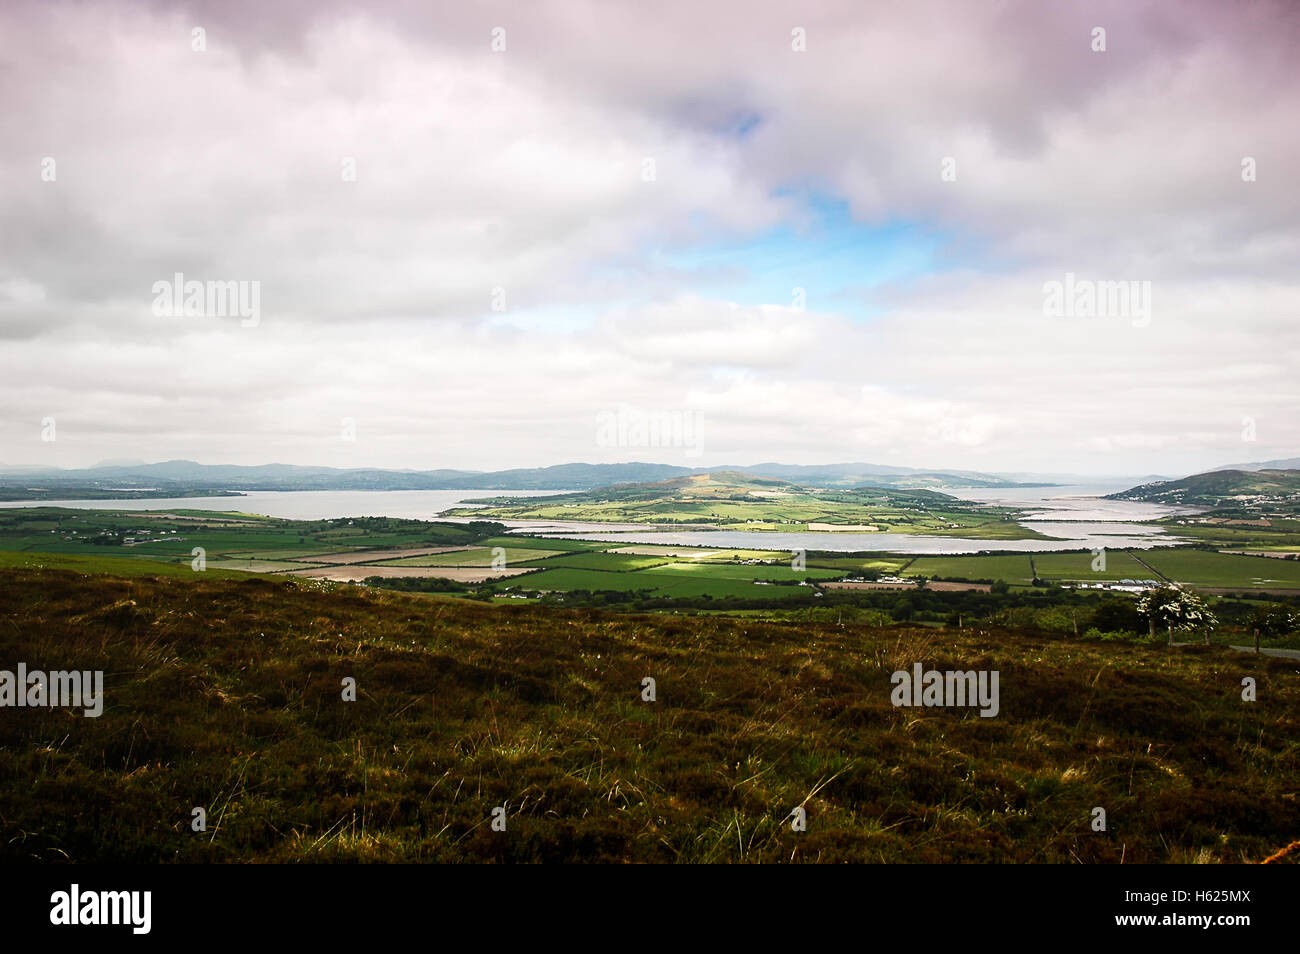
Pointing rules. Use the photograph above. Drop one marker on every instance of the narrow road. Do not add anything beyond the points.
(1280, 653)
(1151, 568)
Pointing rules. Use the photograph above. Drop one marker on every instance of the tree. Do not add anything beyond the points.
(902, 611)
(1117, 615)
(1276, 619)
(1177, 609)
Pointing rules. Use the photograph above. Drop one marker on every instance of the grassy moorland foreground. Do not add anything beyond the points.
(226, 694)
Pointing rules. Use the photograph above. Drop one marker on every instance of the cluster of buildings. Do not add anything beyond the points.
(1123, 586)
(142, 536)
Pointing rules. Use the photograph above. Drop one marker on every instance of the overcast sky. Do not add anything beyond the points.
(801, 232)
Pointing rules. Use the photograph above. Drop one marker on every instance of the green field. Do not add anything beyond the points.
(656, 582)
(877, 564)
(609, 562)
(732, 571)
(222, 537)
(290, 555)
(479, 556)
(115, 566)
(261, 566)
(702, 553)
(667, 579)
(763, 506)
(548, 543)
(1283, 534)
(99, 539)
(1018, 569)
(1205, 568)
(1191, 567)
(1013, 569)
(1078, 567)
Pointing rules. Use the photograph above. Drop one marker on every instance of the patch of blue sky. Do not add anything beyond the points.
(835, 259)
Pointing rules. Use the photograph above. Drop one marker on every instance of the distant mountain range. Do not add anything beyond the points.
(1287, 463)
(121, 479)
(186, 478)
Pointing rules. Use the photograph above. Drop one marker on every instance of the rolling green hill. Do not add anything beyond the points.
(1221, 488)
(745, 502)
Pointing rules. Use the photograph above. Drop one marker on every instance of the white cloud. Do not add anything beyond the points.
(523, 172)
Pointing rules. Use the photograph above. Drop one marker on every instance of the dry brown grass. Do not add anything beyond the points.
(227, 695)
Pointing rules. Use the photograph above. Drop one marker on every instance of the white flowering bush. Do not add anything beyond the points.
(1175, 607)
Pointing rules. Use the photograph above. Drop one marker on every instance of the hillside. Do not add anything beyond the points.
(715, 485)
(731, 500)
(226, 695)
(1220, 488)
